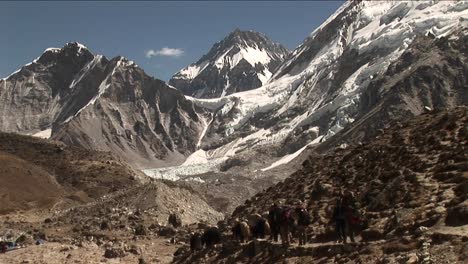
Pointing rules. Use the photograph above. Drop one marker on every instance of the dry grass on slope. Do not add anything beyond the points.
(32, 166)
(25, 186)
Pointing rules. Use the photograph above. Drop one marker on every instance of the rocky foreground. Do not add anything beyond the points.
(63, 204)
(411, 183)
(127, 226)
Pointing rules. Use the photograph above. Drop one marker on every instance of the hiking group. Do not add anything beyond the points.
(346, 217)
(288, 223)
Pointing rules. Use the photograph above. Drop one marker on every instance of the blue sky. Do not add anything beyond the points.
(186, 29)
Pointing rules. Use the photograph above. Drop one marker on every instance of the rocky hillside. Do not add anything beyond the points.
(86, 206)
(86, 100)
(411, 185)
(40, 174)
(24, 186)
(242, 61)
(49, 174)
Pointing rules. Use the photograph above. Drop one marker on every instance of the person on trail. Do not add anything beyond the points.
(352, 217)
(236, 230)
(339, 217)
(274, 215)
(196, 242)
(211, 237)
(286, 221)
(303, 221)
(3, 247)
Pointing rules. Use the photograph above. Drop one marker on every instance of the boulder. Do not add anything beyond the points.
(104, 225)
(457, 215)
(134, 249)
(114, 253)
(140, 230)
(167, 231)
(372, 234)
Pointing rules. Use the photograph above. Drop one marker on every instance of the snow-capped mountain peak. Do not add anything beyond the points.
(369, 63)
(71, 46)
(70, 53)
(242, 61)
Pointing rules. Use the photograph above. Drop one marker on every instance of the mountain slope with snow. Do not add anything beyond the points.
(368, 64)
(335, 77)
(244, 60)
(83, 99)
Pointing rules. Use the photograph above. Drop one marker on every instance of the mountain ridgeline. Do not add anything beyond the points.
(242, 61)
(368, 64)
(82, 99)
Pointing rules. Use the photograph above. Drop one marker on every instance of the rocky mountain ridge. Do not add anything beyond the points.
(86, 100)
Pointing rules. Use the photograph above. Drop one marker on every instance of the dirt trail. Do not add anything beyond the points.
(153, 251)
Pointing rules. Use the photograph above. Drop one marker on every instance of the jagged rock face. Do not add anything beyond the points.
(32, 97)
(244, 60)
(367, 45)
(430, 74)
(388, 59)
(87, 100)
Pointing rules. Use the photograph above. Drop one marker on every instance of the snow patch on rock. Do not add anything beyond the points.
(288, 158)
(46, 133)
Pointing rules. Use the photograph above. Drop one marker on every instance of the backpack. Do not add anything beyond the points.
(304, 217)
(285, 215)
(275, 215)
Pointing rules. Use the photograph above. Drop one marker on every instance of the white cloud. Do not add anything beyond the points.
(170, 52)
